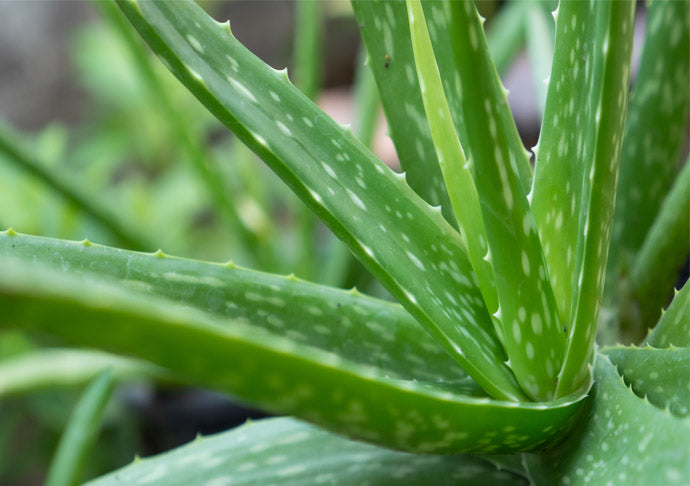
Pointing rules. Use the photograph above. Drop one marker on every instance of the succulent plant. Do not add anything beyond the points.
(486, 369)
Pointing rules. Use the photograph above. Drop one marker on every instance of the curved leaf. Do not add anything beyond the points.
(660, 375)
(385, 32)
(621, 439)
(405, 243)
(49, 368)
(526, 309)
(273, 372)
(596, 169)
(288, 452)
(673, 329)
(361, 329)
(664, 251)
(80, 434)
(656, 128)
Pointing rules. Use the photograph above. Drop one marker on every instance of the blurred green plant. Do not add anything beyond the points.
(499, 273)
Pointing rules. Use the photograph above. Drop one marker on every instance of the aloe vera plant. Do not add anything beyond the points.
(486, 368)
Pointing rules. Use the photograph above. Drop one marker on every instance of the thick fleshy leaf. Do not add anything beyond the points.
(664, 251)
(385, 32)
(288, 452)
(276, 373)
(561, 160)
(596, 166)
(621, 439)
(656, 128)
(181, 126)
(51, 368)
(673, 329)
(79, 436)
(361, 329)
(526, 308)
(454, 167)
(662, 376)
(405, 243)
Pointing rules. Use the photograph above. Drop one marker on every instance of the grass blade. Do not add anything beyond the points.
(276, 373)
(80, 434)
(363, 202)
(16, 151)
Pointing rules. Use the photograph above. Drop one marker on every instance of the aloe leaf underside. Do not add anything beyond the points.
(283, 449)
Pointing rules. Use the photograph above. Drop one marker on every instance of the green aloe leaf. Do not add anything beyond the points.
(592, 180)
(560, 155)
(662, 376)
(673, 329)
(405, 243)
(527, 310)
(385, 32)
(279, 374)
(80, 434)
(621, 439)
(50, 368)
(288, 452)
(454, 167)
(656, 128)
(364, 330)
(664, 251)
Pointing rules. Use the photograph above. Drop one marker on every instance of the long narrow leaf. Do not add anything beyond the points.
(276, 373)
(385, 32)
(561, 159)
(288, 452)
(454, 167)
(52, 368)
(664, 251)
(527, 310)
(326, 318)
(656, 128)
(612, 49)
(406, 244)
(191, 143)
